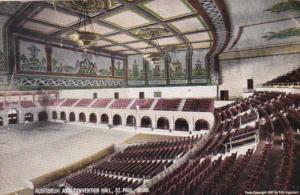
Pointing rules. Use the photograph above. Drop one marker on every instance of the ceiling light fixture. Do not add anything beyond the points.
(152, 34)
(84, 35)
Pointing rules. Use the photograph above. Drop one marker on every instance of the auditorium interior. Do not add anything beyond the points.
(150, 97)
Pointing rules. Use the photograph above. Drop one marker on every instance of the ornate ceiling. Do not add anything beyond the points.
(118, 27)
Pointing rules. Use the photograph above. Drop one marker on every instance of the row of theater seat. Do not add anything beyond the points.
(200, 174)
(290, 78)
(237, 175)
(107, 173)
(190, 104)
(135, 169)
(24, 104)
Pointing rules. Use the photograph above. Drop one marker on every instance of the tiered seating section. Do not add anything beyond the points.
(157, 150)
(143, 104)
(237, 174)
(191, 105)
(291, 79)
(120, 103)
(167, 104)
(69, 102)
(51, 102)
(198, 105)
(27, 104)
(83, 102)
(127, 169)
(101, 103)
(204, 169)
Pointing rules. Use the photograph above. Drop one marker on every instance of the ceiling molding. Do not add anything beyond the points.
(215, 14)
(56, 35)
(261, 52)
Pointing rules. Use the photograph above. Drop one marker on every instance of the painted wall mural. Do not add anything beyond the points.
(136, 73)
(32, 57)
(104, 66)
(119, 68)
(63, 60)
(74, 62)
(199, 69)
(157, 73)
(86, 65)
(285, 6)
(178, 67)
(174, 68)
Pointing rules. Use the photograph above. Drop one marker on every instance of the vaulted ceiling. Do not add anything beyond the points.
(118, 27)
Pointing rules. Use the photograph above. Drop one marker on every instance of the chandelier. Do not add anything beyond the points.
(84, 35)
(152, 34)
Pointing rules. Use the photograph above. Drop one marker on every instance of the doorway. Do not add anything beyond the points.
(250, 84)
(13, 116)
(224, 95)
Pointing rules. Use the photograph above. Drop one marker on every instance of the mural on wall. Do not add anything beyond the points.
(136, 73)
(178, 67)
(63, 61)
(119, 68)
(157, 73)
(285, 6)
(32, 57)
(104, 66)
(199, 70)
(284, 34)
(86, 65)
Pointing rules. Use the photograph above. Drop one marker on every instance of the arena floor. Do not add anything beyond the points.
(30, 151)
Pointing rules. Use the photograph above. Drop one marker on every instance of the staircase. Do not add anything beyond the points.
(180, 107)
(153, 104)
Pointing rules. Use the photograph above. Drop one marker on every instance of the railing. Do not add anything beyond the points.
(283, 85)
(176, 164)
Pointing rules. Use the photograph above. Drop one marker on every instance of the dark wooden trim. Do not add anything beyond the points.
(126, 71)
(189, 57)
(17, 59)
(239, 35)
(48, 50)
(206, 18)
(112, 67)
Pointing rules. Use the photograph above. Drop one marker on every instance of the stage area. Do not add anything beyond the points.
(28, 151)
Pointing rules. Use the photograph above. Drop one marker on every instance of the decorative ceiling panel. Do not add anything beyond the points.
(189, 25)
(201, 45)
(116, 48)
(122, 38)
(55, 17)
(148, 50)
(168, 41)
(138, 45)
(102, 43)
(98, 28)
(127, 19)
(128, 52)
(165, 9)
(136, 31)
(39, 27)
(202, 36)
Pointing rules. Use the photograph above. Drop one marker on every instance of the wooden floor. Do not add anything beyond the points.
(31, 151)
